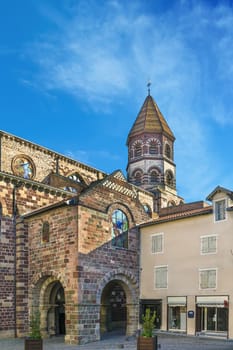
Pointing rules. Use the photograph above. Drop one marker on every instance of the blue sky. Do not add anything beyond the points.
(74, 74)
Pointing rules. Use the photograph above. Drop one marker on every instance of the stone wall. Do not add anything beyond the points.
(44, 160)
(100, 263)
(7, 278)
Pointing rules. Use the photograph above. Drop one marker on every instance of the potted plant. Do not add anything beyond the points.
(146, 341)
(34, 341)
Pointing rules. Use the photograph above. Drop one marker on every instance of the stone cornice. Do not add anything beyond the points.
(35, 185)
(55, 155)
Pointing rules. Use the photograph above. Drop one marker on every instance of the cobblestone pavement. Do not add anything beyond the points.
(166, 342)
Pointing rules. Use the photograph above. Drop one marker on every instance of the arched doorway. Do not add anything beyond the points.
(113, 308)
(56, 310)
(48, 295)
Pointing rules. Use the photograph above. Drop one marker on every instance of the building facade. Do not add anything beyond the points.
(186, 261)
(71, 248)
(69, 243)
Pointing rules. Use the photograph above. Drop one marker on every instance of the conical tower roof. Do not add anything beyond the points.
(150, 120)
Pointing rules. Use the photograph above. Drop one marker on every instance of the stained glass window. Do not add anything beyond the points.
(23, 166)
(119, 229)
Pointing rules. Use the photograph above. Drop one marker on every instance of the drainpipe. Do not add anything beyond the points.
(14, 214)
(139, 280)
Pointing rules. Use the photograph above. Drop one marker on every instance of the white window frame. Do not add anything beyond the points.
(201, 271)
(156, 268)
(153, 237)
(207, 237)
(216, 219)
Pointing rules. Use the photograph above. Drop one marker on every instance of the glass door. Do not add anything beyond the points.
(214, 319)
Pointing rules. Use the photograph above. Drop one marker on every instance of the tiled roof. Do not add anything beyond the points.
(182, 214)
(150, 120)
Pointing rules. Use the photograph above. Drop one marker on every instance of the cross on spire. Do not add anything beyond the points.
(148, 86)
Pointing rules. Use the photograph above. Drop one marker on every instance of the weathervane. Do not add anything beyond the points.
(148, 85)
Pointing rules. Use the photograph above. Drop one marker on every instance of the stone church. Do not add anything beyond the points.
(68, 232)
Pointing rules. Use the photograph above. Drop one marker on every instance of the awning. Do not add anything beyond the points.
(212, 301)
(176, 301)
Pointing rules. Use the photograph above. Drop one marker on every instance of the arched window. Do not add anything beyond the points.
(138, 178)
(154, 177)
(169, 178)
(153, 147)
(168, 151)
(45, 232)
(70, 189)
(75, 177)
(138, 150)
(120, 227)
(147, 208)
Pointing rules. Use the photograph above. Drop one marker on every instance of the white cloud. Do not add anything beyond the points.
(105, 53)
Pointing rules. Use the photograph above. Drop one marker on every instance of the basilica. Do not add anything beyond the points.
(69, 238)
(89, 251)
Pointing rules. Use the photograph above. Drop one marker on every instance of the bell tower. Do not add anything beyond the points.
(151, 155)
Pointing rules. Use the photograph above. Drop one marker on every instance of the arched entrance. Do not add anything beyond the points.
(49, 297)
(56, 311)
(113, 308)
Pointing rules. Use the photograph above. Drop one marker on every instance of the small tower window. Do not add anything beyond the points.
(120, 227)
(168, 151)
(138, 178)
(153, 148)
(45, 232)
(153, 177)
(169, 178)
(138, 150)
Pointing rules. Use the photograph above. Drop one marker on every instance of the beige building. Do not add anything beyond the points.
(186, 259)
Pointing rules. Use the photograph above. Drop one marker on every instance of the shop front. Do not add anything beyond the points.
(212, 315)
(177, 314)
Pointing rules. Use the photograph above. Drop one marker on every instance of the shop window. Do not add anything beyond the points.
(161, 277)
(120, 227)
(177, 318)
(209, 244)
(213, 319)
(157, 243)
(220, 210)
(45, 232)
(208, 278)
(155, 305)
